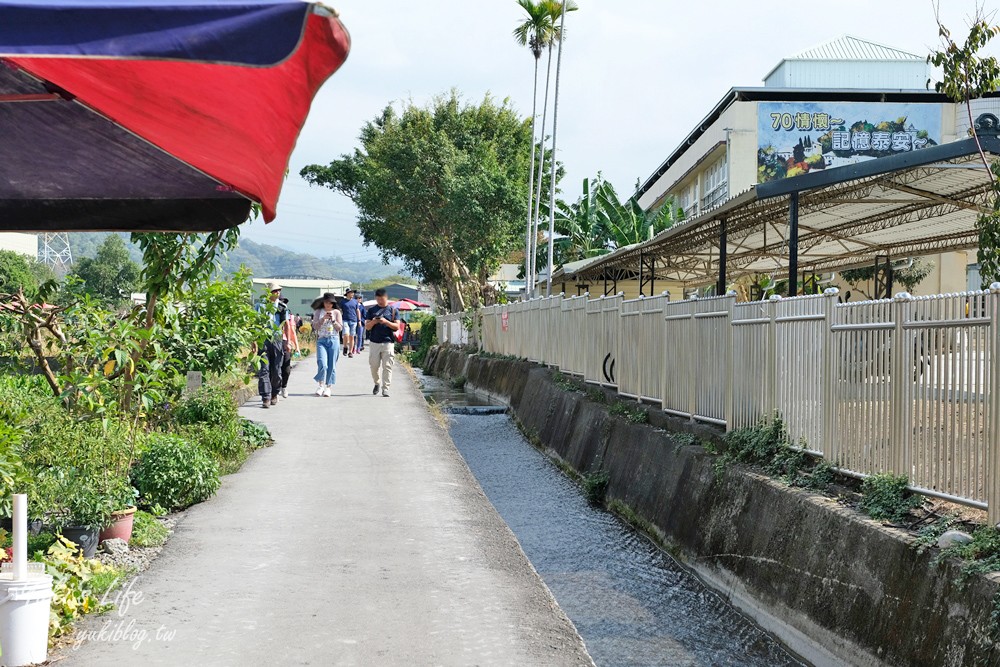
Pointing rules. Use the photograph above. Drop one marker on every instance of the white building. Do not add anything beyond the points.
(837, 103)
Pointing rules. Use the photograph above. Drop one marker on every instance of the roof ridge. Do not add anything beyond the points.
(842, 39)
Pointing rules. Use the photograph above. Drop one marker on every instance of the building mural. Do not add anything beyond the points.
(795, 138)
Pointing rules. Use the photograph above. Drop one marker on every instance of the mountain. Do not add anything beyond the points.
(266, 261)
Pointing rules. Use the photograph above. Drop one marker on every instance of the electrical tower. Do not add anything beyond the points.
(54, 251)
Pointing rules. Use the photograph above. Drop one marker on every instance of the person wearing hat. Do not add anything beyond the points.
(272, 357)
(327, 324)
(350, 308)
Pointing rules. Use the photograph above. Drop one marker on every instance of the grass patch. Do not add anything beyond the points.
(566, 383)
(147, 531)
(636, 415)
(458, 382)
(596, 395)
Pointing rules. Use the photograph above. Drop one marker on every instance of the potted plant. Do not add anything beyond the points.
(83, 508)
(122, 497)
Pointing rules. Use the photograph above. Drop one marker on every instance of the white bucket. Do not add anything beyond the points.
(24, 619)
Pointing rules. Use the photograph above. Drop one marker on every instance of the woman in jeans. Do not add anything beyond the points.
(327, 323)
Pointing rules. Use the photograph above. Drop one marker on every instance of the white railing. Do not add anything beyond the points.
(906, 385)
(451, 329)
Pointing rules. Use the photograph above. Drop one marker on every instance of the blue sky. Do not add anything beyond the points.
(637, 76)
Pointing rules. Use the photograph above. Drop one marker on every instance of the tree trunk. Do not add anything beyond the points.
(552, 180)
(541, 174)
(528, 242)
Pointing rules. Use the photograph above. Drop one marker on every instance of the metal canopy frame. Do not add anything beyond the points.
(906, 205)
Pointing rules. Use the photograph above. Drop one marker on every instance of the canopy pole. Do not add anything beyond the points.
(793, 244)
(641, 292)
(720, 287)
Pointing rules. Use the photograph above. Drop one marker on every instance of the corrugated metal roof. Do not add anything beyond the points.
(848, 47)
(900, 206)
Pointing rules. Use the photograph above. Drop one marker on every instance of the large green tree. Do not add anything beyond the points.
(111, 275)
(967, 75)
(16, 273)
(441, 187)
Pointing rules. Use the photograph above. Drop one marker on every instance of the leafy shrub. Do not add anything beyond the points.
(208, 405)
(40, 542)
(217, 323)
(147, 531)
(595, 486)
(427, 336)
(254, 435)
(78, 469)
(982, 554)
(175, 473)
(885, 497)
(77, 584)
(766, 445)
(223, 443)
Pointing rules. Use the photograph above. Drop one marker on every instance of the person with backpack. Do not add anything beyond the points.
(271, 354)
(382, 323)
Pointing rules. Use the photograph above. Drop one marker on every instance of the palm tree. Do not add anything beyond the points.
(535, 32)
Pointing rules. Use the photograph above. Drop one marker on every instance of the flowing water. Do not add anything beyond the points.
(631, 602)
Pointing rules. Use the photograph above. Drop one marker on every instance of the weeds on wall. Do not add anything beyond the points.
(595, 486)
(885, 497)
(766, 445)
(636, 415)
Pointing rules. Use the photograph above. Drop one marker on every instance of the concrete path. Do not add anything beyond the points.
(359, 538)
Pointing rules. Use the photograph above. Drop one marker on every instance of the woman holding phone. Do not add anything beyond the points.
(327, 323)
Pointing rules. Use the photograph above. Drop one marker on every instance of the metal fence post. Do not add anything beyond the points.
(690, 351)
(828, 377)
(728, 411)
(900, 369)
(992, 471)
(771, 390)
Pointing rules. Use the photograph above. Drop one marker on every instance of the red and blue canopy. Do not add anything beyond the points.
(154, 114)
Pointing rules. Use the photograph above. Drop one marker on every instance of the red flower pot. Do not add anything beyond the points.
(120, 527)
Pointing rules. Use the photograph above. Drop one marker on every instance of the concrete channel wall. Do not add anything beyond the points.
(835, 587)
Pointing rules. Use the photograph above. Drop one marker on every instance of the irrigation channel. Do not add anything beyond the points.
(630, 601)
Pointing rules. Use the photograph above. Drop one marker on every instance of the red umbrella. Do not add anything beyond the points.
(418, 304)
(154, 114)
(403, 304)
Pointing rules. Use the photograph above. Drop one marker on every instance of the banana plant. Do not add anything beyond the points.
(580, 227)
(626, 223)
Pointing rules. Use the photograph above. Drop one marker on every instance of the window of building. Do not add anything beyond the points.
(687, 199)
(716, 186)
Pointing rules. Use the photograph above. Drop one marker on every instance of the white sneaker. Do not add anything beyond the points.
(327, 392)
(319, 390)
(284, 392)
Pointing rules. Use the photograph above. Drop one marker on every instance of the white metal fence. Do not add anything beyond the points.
(905, 385)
